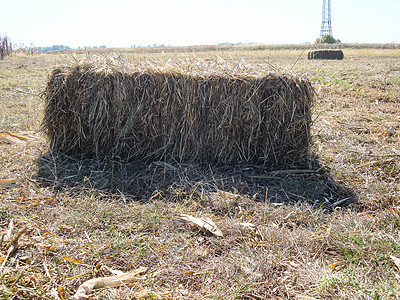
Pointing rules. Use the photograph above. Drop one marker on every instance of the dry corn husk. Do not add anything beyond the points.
(91, 285)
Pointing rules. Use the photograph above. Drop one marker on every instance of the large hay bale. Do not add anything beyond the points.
(326, 54)
(195, 112)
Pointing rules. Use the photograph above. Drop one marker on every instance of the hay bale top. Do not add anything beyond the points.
(190, 67)
(219, 111)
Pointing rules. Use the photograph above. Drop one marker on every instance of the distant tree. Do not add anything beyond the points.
(52, 48)
(328, 39)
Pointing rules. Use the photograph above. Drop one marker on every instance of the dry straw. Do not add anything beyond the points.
(190, 110)
(326, 54)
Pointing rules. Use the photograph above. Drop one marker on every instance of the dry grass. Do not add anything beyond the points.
(196, 111)
(73, 229)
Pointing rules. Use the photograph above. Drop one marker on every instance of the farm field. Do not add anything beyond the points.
(331, 231)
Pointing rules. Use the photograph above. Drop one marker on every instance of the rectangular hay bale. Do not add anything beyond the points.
(188, 113)
(326, 54)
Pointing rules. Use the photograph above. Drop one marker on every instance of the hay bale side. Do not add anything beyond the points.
(326, 54)
(149, 114)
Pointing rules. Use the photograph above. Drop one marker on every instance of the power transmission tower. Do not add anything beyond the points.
(326, 27)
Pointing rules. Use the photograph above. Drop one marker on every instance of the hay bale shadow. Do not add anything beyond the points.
(174, 181)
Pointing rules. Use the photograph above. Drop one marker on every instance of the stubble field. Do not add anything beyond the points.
(329, 232)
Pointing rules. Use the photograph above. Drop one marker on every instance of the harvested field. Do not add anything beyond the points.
(327, 230)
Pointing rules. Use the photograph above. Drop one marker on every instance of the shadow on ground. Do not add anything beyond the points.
(175, 181)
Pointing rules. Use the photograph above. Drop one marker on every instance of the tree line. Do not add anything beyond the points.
(52, 48)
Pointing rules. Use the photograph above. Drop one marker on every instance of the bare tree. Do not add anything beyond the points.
(5, 47)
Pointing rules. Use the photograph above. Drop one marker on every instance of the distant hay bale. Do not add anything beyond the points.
(189, 112)
(326, 54)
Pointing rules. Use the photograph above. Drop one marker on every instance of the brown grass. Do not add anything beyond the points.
(296, 248)
(196, 111)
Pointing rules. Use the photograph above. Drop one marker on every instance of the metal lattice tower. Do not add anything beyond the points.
(326, 27)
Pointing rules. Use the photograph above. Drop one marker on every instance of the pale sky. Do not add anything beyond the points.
(122, 23)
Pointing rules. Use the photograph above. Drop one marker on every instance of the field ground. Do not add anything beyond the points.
(333, 233)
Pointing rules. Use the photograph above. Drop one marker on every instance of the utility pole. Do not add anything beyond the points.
(326, 26)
